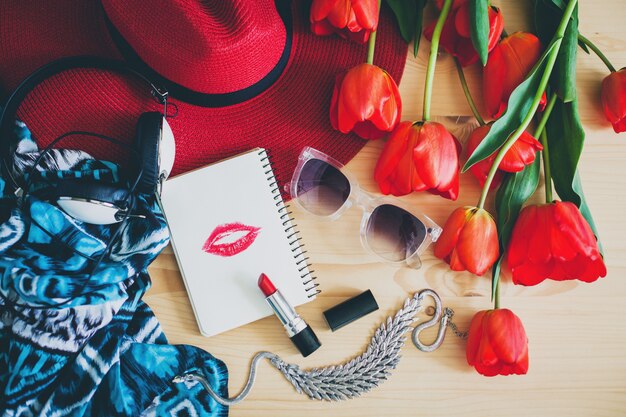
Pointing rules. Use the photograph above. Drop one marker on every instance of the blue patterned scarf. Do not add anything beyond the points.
(75, 337)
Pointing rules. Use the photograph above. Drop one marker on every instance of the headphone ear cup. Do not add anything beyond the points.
(88, 201)
(149, 127)
(87, 190)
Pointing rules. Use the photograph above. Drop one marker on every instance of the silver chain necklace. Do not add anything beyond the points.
(360, 374)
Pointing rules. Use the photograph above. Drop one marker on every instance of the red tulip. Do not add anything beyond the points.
(455, 36)
(614, 99)
(508, 65)
(469, 240)
(351, 19)
(366, 101)
(522, 153)
(497, 343)
(419, 157)
(553, 241)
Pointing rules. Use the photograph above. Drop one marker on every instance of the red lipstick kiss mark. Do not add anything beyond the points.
(230, 239)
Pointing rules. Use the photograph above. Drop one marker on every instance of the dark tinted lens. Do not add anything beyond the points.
(394, 233)
(322, 189)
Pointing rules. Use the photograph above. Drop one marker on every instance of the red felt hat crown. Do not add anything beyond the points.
(209, 47)
(242, 73)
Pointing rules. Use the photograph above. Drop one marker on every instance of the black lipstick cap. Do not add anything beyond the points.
(306, 341)
(350, 310)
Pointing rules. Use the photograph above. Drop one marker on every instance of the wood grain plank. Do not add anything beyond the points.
(577, 331)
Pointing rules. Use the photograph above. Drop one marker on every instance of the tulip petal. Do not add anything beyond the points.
(388, 113)
(320, 9)
(363, 96)
(451, 231)
(620, 125)
(480, 170)
(455, 262)
(497, 343)
(496, 27)
(509, 63)
(366, 12)
(553, 241)
(436, 156)
(474, 337)
(477, 243)
(529, 274)
(540, 243)
(465, 52)
(614, 99)
(573, 225)
(322, 28)
(522, 153)
(368, 130)
(339, 15)
(518, 244)
(361, 86)
(493, 87)
(450, 194)
(506, 335)
(395, 172)
(462, 21)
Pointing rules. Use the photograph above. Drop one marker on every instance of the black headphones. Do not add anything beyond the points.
(89, 200)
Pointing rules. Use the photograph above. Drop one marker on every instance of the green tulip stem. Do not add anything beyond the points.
(541, 134)
(432, 59)
(597, 51)
(496, 299)
(371, 43)
(546, 167)
(545, 115)
(467, 93)
(543, 83)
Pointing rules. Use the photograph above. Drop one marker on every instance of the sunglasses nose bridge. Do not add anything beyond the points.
(363, 198)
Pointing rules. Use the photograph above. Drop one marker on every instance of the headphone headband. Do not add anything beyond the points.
(48, 70)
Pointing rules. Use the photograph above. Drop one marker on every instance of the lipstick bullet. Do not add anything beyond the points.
(298, 331)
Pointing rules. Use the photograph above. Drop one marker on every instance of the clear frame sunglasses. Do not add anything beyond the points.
(393, 233)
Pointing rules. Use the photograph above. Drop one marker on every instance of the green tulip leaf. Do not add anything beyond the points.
(558, 3)
(479, 27)
(515, 190)
(518, 106)
(495, 275)
(566, 138)
(405, 16)
(582, 46)
(548, 14)
(419, 21)
(409, 15)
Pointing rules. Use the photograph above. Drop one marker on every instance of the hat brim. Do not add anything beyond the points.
(291, 114)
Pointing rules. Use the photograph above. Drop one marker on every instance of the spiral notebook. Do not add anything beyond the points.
(228, 224)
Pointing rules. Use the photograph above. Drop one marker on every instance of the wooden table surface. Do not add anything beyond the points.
(576, 331)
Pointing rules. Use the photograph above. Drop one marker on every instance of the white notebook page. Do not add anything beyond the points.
(223, 289)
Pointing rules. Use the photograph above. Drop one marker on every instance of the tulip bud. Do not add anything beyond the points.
(455, 35)
(522, 153)
(497, 343)
(614, 99)
(365, 101)
(351, 19)
(469, 240)
(419, 157)
(553, 241)
(508, 65)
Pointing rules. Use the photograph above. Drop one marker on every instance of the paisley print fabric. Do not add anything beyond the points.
(75, 337)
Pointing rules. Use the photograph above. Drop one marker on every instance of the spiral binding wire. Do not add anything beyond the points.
(291, 231)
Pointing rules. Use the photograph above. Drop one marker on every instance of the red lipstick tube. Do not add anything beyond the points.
(298, 331)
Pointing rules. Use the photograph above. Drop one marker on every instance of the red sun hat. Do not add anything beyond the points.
(241, 73)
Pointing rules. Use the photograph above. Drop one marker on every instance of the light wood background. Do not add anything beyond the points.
(577, 331)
